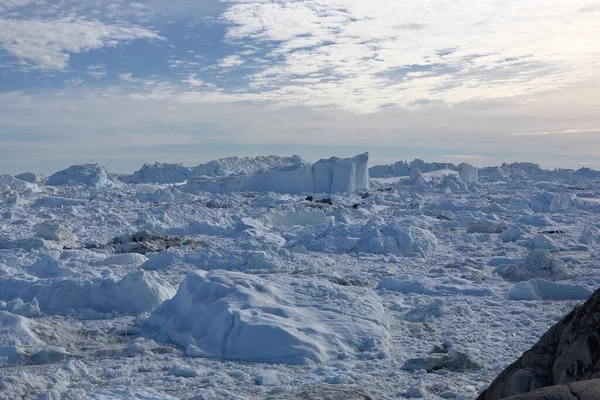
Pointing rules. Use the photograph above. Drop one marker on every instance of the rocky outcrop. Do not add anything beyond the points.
(569, 352)
(585, 390)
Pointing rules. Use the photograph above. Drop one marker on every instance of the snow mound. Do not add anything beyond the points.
(233, 315)
(552, 202)
(397, 238)
(28, 177)
(17, 338)
(590, 235)
(485, 226)
(160, 261)
(292, 218)
(325, 176)
(535, 220)
(128, 259)
(452, 288)
(512, 234)
(12, 182)
(538, 264)
(49, 267)
(403, 168)
(540, 289)
(87, 174)
(543, 242)
(244, 166)
(19, 307)
(135, 293)
(22, 341)
(55, 232)
(161, 173)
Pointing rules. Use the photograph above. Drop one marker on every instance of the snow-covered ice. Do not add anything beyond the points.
(236, 316)
(271, 277)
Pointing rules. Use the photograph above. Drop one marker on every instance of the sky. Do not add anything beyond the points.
(123, 83)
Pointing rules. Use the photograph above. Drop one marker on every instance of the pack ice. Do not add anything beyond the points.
(272, 277)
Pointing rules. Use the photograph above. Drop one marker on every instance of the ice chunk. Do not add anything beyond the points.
(538, 264)
(17, 338)
(28, 177)
(590, 235)
(161, 173)
(536, 220)
(244, 166)
(49, 267)
(552, 202)
(271, 319)
(87, 174)
(403, 286)
(540, 289)
(543, 242)
(468, 173)
(15, 183)
(50, 231)
(512, 234)
(291, 218)
(324, 176)
(135, 293)
(485, 226)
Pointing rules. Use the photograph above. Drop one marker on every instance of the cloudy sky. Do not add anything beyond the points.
(123, 83)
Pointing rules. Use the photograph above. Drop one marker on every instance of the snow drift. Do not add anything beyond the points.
(237, 316)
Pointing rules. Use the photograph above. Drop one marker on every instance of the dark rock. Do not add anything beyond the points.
(584, 390)
(144, 242)
(443, 357)
(568, 352)
(309, 198)
(325, 201)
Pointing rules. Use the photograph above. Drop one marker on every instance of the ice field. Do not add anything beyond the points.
(271, 277)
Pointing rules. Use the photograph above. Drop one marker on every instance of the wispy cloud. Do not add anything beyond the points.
(563, 132)
(47, 44)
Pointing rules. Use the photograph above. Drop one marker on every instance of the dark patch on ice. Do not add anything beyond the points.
(144, 242)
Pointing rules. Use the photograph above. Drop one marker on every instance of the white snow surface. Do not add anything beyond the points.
(237, 316)
(250, 290)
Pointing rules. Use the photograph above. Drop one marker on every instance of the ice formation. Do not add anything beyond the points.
(266, 319)
(160, 173)
(325, 176)
(87, 174)
(281, 262)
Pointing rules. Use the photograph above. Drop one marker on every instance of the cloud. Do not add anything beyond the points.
(97, 71)
(128, 77)
(193, 81)
(563, 132)
(46, 44)
(12, 4)
(232, 61)
(340, 53)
